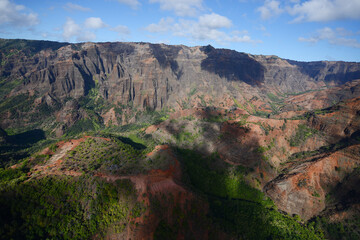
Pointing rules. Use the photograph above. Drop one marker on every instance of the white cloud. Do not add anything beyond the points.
(121, 30)
(72, 30)
(134, 4)
(94, 23)
(271, 8)
(180, 7)
(309, 40)
(75, 7)
(164, 25)
(214, 20)
(86, 31)
(325, 10)
(207, 27)
(11, 13)
(312, 10)
(334, 37)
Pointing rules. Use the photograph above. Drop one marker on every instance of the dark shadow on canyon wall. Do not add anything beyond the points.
(27, 138)
(339, 72)
(14, 146)
(137, 146)
(347, 192)
(342, 77)
(166, 56)
(235, 143)
(232, 65)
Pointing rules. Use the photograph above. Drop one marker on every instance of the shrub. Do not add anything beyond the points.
(303, 132)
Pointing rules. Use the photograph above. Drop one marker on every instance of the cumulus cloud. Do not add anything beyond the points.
(334, 37)
(121, 30)
(94, 23)
(325, 10)
(207, 27)
(134, 4)
(180, 7)
(86, 31)
(70, 29)
(12, 14)
(75, 7)
(164, 25)
(214, 20)
(270, 9)
(312, 10)
(73, 30)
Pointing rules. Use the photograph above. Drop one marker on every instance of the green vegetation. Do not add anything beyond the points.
(151, 117)
(313, 113)
(324, 149)
(348, 229)
(112, 156)
(18, 103)
(21, 145)
(237, 104)
(261, 114)
(127, 127)
(28, 47)
(215, 118)
(82, 126)
(192, 92)
(275, 103)
(303, 132)
(203, 102)
(185, 137)
(273, 97)
(247, 220)
(299, 93)
(315, 194)
(93, 101)
(6, 85)
(238, 208)
(11, 177)
(64, 208)
(222, 182)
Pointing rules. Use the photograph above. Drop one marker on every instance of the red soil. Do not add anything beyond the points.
(155, 183)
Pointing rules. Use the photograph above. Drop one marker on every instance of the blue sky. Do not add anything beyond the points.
(306, 30)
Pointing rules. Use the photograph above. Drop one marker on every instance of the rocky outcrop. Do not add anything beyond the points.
(325, 98)
(309, 177)
(303, 189)
(157, 75)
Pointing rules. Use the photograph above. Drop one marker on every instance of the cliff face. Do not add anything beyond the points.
(153, 76)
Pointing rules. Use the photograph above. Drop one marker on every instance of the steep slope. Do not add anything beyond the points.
(129, 76)
(308, 176)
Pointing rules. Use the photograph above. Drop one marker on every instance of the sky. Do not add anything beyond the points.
(308, 30)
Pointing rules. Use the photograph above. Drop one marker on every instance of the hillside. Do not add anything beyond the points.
(152, 141)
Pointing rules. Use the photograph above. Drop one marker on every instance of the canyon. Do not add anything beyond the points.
(201, 127)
